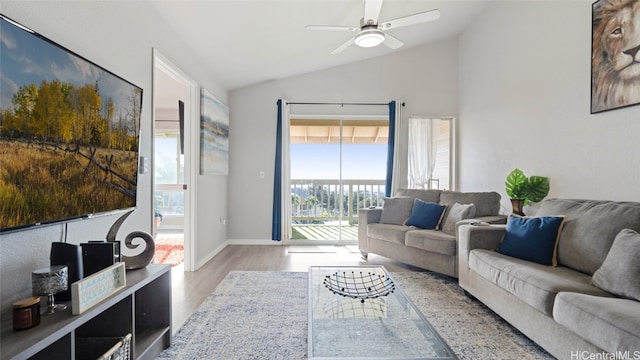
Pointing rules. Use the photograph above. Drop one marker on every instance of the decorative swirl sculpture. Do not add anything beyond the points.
(145, 257)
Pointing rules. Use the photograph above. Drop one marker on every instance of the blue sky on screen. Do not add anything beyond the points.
(28, 59)
(322, 161)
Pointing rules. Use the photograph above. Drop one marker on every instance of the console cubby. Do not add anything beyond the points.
(152, 317)
(59, 350)
(142, 308)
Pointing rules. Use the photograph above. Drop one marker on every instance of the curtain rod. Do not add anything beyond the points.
(336, 103)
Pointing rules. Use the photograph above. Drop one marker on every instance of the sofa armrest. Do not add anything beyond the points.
(369, 215)
(366, 216)
(477, 237)
(495, 219)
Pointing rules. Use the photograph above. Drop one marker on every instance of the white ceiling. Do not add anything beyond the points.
(251, 41)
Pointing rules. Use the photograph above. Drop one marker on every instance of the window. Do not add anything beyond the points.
(169, 174)
(430, 153)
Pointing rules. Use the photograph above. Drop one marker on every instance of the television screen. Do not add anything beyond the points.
(69, 133)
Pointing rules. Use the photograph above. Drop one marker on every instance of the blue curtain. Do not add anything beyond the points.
(276, 227)
(390, 148)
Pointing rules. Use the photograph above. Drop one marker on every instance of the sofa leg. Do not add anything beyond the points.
(364, 255)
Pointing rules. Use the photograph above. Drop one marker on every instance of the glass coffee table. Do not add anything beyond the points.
(358, 312)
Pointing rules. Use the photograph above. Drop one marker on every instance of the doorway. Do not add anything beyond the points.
(174, 113)
(338, 165)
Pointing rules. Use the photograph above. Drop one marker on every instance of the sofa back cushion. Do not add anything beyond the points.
(396, 210)
(424, 195)
(486, 203)
(589, 229)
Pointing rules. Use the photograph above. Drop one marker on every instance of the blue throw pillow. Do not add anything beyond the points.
(532, 238)
(426, 215)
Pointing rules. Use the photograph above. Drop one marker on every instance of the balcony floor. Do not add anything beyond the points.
(327, 232)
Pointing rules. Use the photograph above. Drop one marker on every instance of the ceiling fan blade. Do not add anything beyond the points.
(342, 47)
(392, 42)
(372, 11)
(411, 19)
(329, 27)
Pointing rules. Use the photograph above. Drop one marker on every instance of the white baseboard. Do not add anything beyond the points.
(215, 252)
(252, 242)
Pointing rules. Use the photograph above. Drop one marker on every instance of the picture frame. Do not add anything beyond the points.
(88, 292)
(214, 135)
(615, 55)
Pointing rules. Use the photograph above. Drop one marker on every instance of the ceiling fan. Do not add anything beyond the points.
(371, 32)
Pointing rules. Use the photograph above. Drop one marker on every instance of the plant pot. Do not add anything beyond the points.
(517, 205)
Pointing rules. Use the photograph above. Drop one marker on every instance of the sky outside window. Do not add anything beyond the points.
(322, 161)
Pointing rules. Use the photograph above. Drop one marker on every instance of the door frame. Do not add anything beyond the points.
(191, 133)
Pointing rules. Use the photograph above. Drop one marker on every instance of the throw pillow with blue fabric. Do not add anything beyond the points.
(532, 238)
(426, 215)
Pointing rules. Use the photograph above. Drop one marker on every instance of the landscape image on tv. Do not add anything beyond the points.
(69, 133)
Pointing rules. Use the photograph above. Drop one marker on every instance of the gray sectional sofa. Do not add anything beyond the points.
(382, 231)
(588, 303)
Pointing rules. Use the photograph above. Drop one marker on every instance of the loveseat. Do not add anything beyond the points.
(384, 230)
(584, 307)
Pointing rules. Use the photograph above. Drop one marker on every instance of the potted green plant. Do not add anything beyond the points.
(522, 189)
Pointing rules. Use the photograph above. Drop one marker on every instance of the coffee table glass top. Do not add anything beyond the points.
(359, 312)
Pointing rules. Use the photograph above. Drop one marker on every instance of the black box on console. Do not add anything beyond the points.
(71, 256)
(98, 255)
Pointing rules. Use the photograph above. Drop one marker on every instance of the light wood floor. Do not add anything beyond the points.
(189, 289)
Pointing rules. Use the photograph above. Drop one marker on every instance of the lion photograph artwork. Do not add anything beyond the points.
(615, 54)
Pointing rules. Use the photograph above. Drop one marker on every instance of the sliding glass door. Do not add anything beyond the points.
(337, 166)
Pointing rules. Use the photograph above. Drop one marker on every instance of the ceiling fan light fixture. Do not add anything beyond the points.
(369, 38)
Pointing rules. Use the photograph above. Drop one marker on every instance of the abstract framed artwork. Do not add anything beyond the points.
(214, 135)
(615, 54)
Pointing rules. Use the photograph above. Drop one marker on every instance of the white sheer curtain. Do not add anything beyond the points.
(422, 147)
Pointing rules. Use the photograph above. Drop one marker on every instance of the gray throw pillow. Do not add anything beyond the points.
(396, 210)
(620, 271)
(456, 213)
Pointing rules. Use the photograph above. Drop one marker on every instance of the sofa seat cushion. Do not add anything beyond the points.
(611, 324)
(432, 240)
(387, 232)
(535, 284)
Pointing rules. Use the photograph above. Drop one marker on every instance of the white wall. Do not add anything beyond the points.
(524, 102)
(425, 78)
(118, 36)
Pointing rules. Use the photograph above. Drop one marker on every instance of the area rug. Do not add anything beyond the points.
(263, 315)
(169, 249)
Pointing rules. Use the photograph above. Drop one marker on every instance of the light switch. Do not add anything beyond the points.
(144, 165)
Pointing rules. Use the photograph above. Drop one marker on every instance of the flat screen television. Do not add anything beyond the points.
(69, 134)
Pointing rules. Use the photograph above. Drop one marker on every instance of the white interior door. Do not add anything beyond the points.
(170, 86)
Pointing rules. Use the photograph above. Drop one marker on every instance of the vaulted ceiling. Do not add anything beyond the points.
(250, 41)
